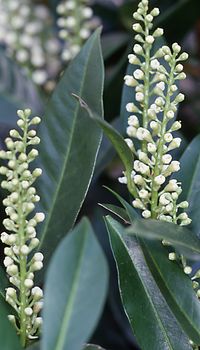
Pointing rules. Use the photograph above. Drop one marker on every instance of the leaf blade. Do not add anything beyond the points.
(80, 260)
(137, 285)
(66, 167)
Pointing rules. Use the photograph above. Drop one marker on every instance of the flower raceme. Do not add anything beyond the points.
(152, 123)
(20, 237)
(76, 22)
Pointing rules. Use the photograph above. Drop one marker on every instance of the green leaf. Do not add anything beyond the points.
(107, 152)
(71, 142)
(116, 210)
(92, 347)
(180, 237)
(189, 175)
(8, 335)
(145, 306)
(75, 290)
(117, 141)
(175, 286)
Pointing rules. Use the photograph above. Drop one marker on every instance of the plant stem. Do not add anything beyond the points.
(146, 87)
(160, 151)
(22, 259)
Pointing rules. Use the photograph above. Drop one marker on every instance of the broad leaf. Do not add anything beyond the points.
(117, 141)
(145, 306)
(180, 237)
(8, 335)
(189, 175)
(75, 290)
(175, 286)
(71, 142)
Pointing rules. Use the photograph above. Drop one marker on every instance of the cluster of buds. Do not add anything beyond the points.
(76, 22)
(152, 123)
(20, 239)
(26, 31)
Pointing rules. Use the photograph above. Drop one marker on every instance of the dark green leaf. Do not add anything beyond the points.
(189, 175)
(145, 306)
(75, 290)
(118, 211)
(175, 289)
(8, 336)
(179, 236)
(107, 152)
(118, 142)
(71, 142)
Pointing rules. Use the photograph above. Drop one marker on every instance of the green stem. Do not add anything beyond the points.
(146, 87)
(160, 151)
(22, 260)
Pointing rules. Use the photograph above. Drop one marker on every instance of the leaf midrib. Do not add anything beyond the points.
(171, 294)
(151, 302)
(69, 306)
(66, 157)
(177, 242)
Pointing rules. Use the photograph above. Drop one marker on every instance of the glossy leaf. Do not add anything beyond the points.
(144, 304)
(117, 141)
(189, 175)
(8, 336)
(175, 286)
(180, 237)
(106, 151)
(116, 210)
(71, 142)
(75, 290)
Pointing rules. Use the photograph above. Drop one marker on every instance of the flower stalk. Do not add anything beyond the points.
(20, 237)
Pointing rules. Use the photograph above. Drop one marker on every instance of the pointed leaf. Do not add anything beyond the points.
(71, 142)
(145, 306)
(76, 283)
(117, 141)
(175, 286)
(179, 236)
(118, 211)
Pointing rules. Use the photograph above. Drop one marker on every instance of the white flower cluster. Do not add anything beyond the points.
(76, 22)
(20, 237)
(152, 123)
(26, 31)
